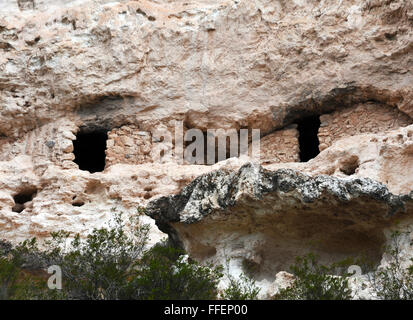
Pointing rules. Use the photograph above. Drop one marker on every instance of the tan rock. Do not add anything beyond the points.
(131, 68)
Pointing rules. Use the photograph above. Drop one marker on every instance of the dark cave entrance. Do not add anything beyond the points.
(308, 137)
(89, 149)
(22, 198)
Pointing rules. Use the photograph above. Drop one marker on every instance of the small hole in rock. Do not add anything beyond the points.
(22, 198)
(78, 203)
(141, 12)
(390, 36)
(350, 166)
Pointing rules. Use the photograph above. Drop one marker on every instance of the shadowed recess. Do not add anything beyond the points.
(22, 198)
(308, 139)
(89, 150)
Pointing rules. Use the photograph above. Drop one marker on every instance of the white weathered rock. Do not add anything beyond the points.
(132, 67)
(267, 218)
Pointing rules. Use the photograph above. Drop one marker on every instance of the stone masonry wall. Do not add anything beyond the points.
(363, 118)
(50, 143)
(280, 146)
(128, 145)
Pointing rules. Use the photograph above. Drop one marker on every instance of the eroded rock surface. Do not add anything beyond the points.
(283, 203)
(328, 83)
(262, 220)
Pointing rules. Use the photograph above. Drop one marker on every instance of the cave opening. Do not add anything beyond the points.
(308, 137)
(89, 150)
(22, 198)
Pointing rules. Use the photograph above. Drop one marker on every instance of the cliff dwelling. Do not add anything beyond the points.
(300, 141)
(85, 85)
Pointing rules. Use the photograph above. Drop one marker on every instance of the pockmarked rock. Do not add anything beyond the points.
(97, 97)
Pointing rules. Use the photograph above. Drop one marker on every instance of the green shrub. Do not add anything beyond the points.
(164, 274)
(243, 288)
(16, 283)
(8, 278)
(315, 282)
(109, 264)
(101, 266)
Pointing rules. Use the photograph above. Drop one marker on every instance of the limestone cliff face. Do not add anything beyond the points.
(262, 220)
(328, 83)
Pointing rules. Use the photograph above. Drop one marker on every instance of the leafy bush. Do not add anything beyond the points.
(101, 266)
(15, 281)
(243, 288)
(315, 282)
(166, 274)
(110, 263)
(8, 278)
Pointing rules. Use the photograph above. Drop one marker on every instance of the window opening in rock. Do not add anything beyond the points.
(308, 137)
(89, 150)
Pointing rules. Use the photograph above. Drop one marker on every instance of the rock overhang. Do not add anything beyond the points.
(130, 66)
(288, 211)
